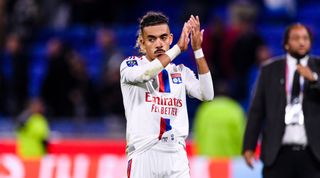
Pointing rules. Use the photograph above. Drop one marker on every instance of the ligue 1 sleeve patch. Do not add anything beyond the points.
(176, 78)
(132, 63)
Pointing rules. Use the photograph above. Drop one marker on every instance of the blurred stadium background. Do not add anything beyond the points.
(68, 52)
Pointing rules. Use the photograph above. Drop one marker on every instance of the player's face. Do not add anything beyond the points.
(156, 40)
(299, 42)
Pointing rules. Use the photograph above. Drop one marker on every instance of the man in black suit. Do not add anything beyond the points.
(286, 110)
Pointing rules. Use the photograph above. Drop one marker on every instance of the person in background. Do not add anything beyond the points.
(110, 98)
(219, 125)
(15, 63)
(57, 84)
(247, 49)
(285, 110)
(32, 131)
(82, 94)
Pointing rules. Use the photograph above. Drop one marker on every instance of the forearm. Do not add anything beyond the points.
(170, 55)
(141, 73)
(144, 73)
(153, 70)
(252, 132)
(202, 66)
(201, 62)
(256, 114)
(206, 86)
(254, 125)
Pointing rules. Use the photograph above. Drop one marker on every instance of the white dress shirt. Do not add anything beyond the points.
(294, 134)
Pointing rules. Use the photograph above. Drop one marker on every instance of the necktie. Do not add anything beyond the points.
(295, 85)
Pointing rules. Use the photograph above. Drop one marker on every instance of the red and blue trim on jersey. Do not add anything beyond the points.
(164, 83)
(164, 126)
(129, 168)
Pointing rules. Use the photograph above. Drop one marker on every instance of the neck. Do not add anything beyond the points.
(149, 59)
(298, 56)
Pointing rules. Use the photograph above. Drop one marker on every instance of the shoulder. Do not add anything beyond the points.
(131, 61)
(314, 62)
(132, 58)
(315, 58)
(274, 61)
(181, 67)
(184, 70)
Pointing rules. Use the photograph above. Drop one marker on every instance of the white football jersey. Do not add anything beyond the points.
(155, 107)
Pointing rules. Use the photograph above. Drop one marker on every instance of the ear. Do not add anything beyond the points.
(171, 38)
(286, 47)
(141, 43)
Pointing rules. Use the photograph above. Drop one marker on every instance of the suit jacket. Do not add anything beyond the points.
(267, 111)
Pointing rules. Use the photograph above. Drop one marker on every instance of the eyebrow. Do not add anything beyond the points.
(163, 35)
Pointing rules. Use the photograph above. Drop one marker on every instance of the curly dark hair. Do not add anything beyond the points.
(151, 18)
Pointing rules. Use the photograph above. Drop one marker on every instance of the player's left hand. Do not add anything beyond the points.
(184, 37)
(306, 72)
(196, 34)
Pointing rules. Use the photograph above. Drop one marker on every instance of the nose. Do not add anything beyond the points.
(301, 41)
(159, 43)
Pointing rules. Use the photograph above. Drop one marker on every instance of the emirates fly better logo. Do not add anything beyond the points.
(164, 105)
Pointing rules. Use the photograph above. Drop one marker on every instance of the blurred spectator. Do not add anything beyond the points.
(234, 48)
(2, 21)
(219, 125)
(57, 83)
(111, 54)
(57, 17)
(264, 54)
(87, 11)
(246, 50)
(2, 95)
(216, 46)
(110, 93)
(32, 131)
(23, 17)
(220, 39)
(82, 95)
(101, 11)
(14, 64)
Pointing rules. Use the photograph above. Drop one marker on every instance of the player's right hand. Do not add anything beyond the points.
(184, 37)
(306, 72)
(249, 158)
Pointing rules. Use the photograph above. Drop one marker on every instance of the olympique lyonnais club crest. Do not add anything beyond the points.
(132, 63)
(176, 78)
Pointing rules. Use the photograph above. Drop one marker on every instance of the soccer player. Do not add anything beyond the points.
(154, 96)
